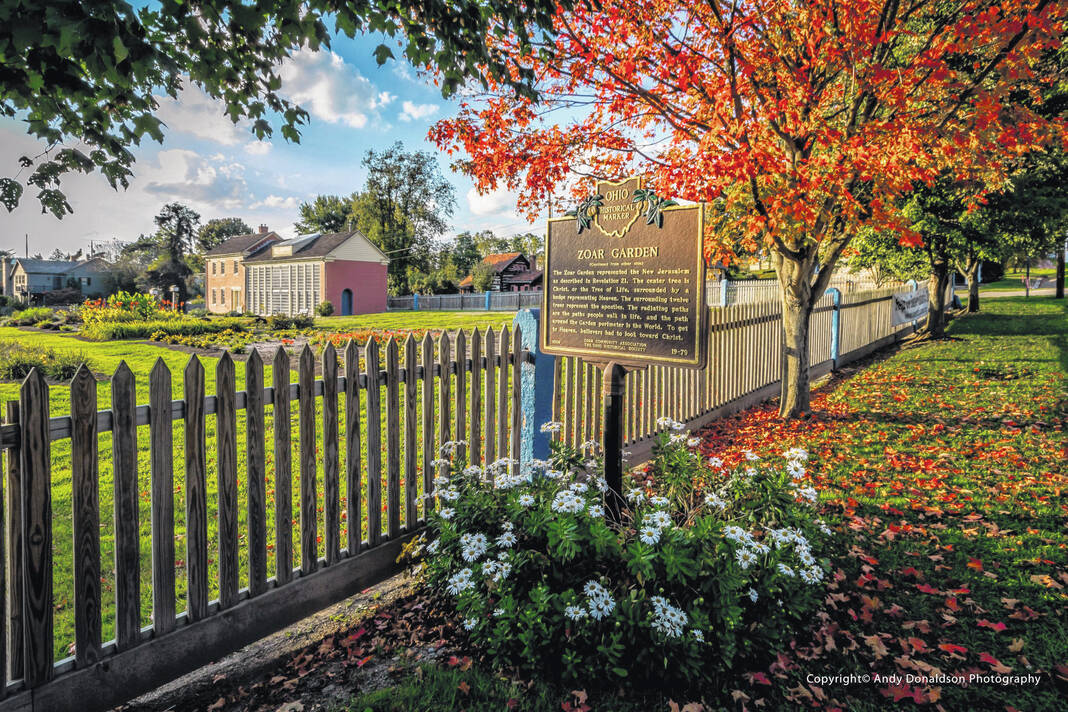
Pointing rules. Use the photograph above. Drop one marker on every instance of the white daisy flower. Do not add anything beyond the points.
(507, 539)
(785, 570)
(658, 501)
(750, 455)
(753, 595)
(498, 612)
(551, 427)
(635, 495)
(449, 495)
(649, 535)
(579, 487)
(460, 582)
(470, 623)
(796, 453)
(715, 462)
(659, 519)
(446, 512)
(575, 613)
(432, 547)
(526, 499)
(693, 442)
(746, 557)
(698, 636)
(714, 500)
(595, 510)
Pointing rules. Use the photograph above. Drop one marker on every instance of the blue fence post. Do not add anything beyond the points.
(415, 302)
(487, 300)
(836, 325)
(536, 391)
(723, 292)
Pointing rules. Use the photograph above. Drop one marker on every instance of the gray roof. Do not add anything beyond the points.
(240, 244)
(307, 246)
(48, 266)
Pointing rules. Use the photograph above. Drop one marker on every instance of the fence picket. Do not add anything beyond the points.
(36, 468)
(491, 397)
(444, 402)
(502, 394)
(309, 499)
(256, 474)
(353, 486)
(85, 493)
(393, 453)
(428, 421)
(411, 443)
(517, 394)
(374, 444)
(283, 468)
(475, 444)
(196, 506)
(226, 472)
(331, 484)
(13, 475)
(127, 534)
(460, 358)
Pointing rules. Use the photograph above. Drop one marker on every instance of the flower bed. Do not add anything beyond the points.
(705, 567)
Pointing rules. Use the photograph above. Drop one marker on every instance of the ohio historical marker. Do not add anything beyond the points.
(624, 280)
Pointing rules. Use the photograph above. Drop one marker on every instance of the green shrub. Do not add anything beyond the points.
(279, 322)
(325, 309)
(705, 572)
(16, 362)
(185, 326)
(303, 321)
(31, 316)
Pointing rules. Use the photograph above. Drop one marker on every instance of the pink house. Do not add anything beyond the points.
(294, 276)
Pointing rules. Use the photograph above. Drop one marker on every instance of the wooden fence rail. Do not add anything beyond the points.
(102, 674)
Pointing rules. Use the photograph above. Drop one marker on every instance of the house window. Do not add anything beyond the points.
(235, 266)
(88, 281)
(222, 297)
(213, 267)
(213, 295)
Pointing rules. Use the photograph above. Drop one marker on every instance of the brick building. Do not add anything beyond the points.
(224, 266)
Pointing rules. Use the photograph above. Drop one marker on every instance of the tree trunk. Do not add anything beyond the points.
(1059, 294)
(795, 281)
(1027, 279)
(973, 286)
(936, 301)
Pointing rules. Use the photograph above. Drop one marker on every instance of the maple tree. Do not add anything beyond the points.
(804, 120)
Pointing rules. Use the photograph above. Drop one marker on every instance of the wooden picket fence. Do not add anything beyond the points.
(463, 387)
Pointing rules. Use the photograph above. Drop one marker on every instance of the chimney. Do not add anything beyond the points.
(263, 230)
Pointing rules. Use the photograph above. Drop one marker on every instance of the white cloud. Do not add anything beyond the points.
(197, 114)
(414, 112)
(329, 89)
(276, 202)
(258, 148)
(384, 99)
(189, 177)
(493, 203)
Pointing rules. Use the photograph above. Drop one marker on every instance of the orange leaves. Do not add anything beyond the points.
(997, 627)
(954, 650)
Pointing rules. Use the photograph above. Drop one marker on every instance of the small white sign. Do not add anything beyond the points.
(909, 306)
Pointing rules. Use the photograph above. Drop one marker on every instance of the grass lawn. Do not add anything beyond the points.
(1013, 281)
(942, 471)
(392, 321)
(140, 356)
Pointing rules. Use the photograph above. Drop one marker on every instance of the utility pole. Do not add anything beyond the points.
(27, 249)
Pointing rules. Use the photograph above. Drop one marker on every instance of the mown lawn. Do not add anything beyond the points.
(392, 321)
(943, 474)
(1013, 281)
(141, 357)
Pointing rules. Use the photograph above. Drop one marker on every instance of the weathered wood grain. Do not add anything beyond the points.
(444, 401)
(393, 454)
(309, 524)
(36, 469)
(85, 496)
(475, 439)
(127, 529)
(13, 474)
(352, 447)
(331, 453)
(374, 444)
(411, 443)
(517, 394)
(460, 357)
(283, 468)
(196, 503)
(503, 394)
(428, 421)
(161, 442)
(491, 396)
(255, 430)
(226, 477)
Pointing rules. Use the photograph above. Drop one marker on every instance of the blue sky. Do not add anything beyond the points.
(221, 170)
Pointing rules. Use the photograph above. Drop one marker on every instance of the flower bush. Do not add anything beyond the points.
(235, 340)
(125, 307)
(182, 326)
(362, 336)
(704, 569)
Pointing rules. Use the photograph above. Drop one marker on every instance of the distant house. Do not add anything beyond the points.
(224, 270)
(294, 276)
(512, 272)
(30, 279)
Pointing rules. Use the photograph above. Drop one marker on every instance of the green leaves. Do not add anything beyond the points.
(585, 211)
(10, 192)
(383, 53)
(654, 206)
